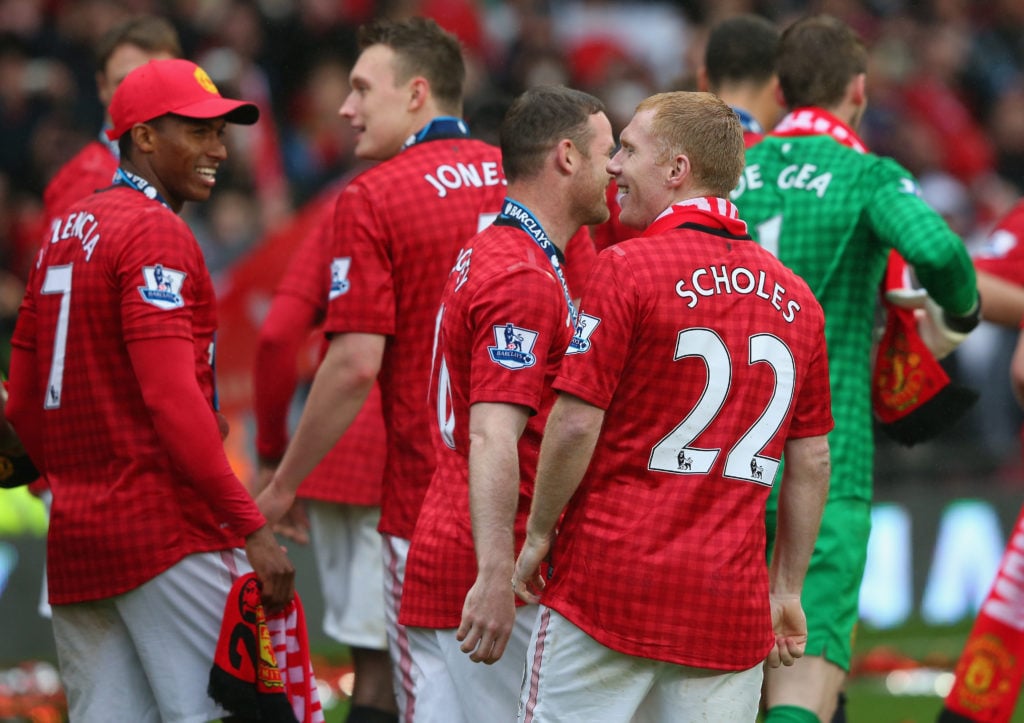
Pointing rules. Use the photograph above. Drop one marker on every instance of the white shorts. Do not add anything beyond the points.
(146, 655)
(571, 678)
(347, 548)
(454, 689)
(404, 670)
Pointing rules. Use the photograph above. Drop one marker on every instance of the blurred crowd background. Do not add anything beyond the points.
(946, 99)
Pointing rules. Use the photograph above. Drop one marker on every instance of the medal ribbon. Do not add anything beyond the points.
(515, 214)
(140, 184)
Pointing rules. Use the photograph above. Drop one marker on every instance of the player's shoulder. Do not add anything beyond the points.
(93, 158)
(92, 167)
(127, 214)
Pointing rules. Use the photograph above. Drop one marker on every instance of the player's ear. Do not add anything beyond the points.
(419, 90)
(565, 155)
(144, 137)
(679, 170)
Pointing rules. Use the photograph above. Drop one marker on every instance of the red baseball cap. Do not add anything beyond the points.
(172, 86)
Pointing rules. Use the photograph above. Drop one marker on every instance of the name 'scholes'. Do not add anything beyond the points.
(712, 280)
(448, 177)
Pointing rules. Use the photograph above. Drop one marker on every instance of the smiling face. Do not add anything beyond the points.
(183, 155)
(641, 173)
(378, 106)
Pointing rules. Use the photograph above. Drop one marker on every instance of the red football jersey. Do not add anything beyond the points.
(119, 267)
(1002, 254)
(503, 330)
(89, 170)
(352, 471)
(397, 230)
(706, 355)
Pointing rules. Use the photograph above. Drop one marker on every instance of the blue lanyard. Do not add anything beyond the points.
(140, 184)
(515, 214)
(444, 126)
(749, 123)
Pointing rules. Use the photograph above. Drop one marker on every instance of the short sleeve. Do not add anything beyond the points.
(517, 320)
(361, 297)
(160, 275)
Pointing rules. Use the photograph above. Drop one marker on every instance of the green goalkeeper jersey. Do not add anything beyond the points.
(831, 214)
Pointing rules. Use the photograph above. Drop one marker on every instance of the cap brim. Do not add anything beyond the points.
(233, 111)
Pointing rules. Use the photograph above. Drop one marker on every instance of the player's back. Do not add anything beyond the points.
(831, 214)
(101, 283)
(710, 308)
(414, 212)
(718, 359)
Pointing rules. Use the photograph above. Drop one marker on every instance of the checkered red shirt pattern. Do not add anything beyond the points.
(119, 515)
(92, 168)
(507, 279)
(669, 564)
(1002, 254)
(402, 223)
(353, 470)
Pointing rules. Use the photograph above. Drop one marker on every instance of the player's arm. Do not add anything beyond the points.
(569, 440)
(275, 376)
(24, 408)
(342, 383)
(1002, 301)
(275, 371)
(801, 502)
(187, 429)
(901, 218)
(489, 611)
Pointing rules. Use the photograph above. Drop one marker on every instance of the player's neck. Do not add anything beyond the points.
(549, 209)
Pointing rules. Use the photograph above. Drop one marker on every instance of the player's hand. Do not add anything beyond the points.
(934, 326)
(488, 616)
(273, 568)
(527, 580)
(790, 626)
(274, 502)
(295, 524)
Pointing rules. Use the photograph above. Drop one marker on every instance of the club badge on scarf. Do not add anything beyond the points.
(912, 396)
(261, 669)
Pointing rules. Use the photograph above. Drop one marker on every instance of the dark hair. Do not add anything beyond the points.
(148, 32)
(540, 118)
(422, 47)
(818, 57)
(741, 49)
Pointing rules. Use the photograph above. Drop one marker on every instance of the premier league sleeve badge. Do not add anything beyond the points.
(162, 287)
(513, 347)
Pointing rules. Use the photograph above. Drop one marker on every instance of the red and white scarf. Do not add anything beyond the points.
(817, 122)
(709, 211)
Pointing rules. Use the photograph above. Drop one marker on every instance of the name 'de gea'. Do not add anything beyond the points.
(804, 177)
(721, 280)
(462, 175)
(82, 226)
